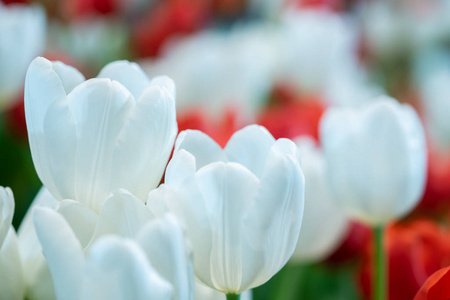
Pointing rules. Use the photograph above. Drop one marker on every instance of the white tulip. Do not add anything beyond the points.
(22, 38)
(150, 259)
(89, 138)
(205, 66)
(11, 276)
(324, 226)
(376, 159)
(311, 43)
(242, 206)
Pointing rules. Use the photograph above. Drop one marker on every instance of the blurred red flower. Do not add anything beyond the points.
(353, 245)
(436, 287)
(415, 251)
(437, 189)
(289, 115)
(220, 129)
(165, 19)
(79, 8)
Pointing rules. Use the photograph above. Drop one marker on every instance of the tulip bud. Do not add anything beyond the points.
(376, 159)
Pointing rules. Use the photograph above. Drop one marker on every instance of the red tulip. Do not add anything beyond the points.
(354, 244)
(415, 250)
(168, 18)
(220, 130)
(437, 190)
(436, 287)
(290, 117)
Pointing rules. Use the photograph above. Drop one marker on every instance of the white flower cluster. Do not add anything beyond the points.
(100, 230)
(103, 227)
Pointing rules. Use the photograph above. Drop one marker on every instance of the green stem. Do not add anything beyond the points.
(233, 297)
(379, 279)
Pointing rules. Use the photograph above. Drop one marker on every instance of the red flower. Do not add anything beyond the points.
(436, 287)
(354, 244)
(437, 190)
(168, 18)
(218, 129)
(290, 117)
(415, 250)
(79, 8)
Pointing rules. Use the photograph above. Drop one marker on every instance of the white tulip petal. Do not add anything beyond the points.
(35, 269)
(163, 242)
(188, 204)
(165, 82)
(145, 143)
(417, 161)
(117, 269)
(43, 87)
(129, 74)
(273, 221)
(249, 147)
(202, 147)
(62, 250)
(12, 284)
(100, 108)
(69, 76)
(324, 226)
(122, 214)
(159, 198)
(6, 212)
(181, 167)
(229, 189)
(61, 146)
(81, 219)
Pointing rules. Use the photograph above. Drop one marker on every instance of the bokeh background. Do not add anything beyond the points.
(277, 63)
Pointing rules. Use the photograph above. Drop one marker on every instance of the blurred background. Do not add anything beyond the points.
(278, 63)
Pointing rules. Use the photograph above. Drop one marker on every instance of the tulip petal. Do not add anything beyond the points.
(159, 198)
(436, 286)
(6, 212)
(202, 147)
(145, 143)
(117, 269)
(229, 189)
(69, 76)
(417, 160)
(100, 108)
(129, 74)
(122, 214)
(43, 87)
(163, 242)
(12, 285)
(166, 83)
(62, 251)
(272, 223)
(60, 138)
(35, 269)
(189, 205)
(181, 167)
(80, 218)
(250, 146)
